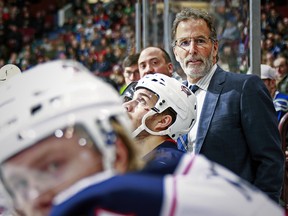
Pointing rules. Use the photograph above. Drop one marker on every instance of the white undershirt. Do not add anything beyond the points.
(200, 94)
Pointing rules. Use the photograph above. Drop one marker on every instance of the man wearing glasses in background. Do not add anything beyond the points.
(236, 121)
(131, 71)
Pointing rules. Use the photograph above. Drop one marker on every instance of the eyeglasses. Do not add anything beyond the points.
(128, 74)
(185, 42)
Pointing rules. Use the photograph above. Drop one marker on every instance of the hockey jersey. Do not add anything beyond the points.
(193, 186)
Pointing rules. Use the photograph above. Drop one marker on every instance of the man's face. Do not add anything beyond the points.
(131, 74)
(281, 67)
(194, 49)
(36, 175)
(151, 60)
(270, 85)
(143, 100)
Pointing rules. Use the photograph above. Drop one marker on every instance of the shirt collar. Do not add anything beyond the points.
(204, 82)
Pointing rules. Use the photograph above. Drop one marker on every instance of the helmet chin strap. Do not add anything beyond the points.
(143, 126)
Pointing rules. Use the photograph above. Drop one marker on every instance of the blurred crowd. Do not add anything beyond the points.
(102, 34)
(232, 18)
(98, 35)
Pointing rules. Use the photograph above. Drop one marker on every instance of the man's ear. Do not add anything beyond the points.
(121, 159)
(170, 68)
(175, 54)
(163, 122)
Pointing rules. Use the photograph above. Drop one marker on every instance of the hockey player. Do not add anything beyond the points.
(161, 110)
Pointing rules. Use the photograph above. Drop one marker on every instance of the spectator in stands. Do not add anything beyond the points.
(269, 59)
(231, 32)
(110, 56)
(118, 78)
(285, 28)
(101, 66)
(161, 110)
(38, 24)
(281, 66)
(14, 39)
(121, 27)
(280, 100)
(227, 102)
(273, 19)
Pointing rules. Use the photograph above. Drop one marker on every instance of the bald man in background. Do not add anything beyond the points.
(156, 60)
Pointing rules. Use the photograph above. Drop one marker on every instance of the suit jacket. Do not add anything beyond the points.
(238, 129)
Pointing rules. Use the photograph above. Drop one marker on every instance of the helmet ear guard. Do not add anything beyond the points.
(174, 95)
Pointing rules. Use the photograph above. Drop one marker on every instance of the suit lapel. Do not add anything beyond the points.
(208, 110)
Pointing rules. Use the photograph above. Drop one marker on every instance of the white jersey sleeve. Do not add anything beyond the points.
(201, 187)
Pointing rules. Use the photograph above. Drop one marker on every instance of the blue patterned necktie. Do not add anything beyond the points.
(193, 88)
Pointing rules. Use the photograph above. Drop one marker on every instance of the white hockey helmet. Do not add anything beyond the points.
(171, 94)
(55, 95)
(7, 71)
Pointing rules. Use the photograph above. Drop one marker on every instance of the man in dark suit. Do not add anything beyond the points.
(236, 121)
